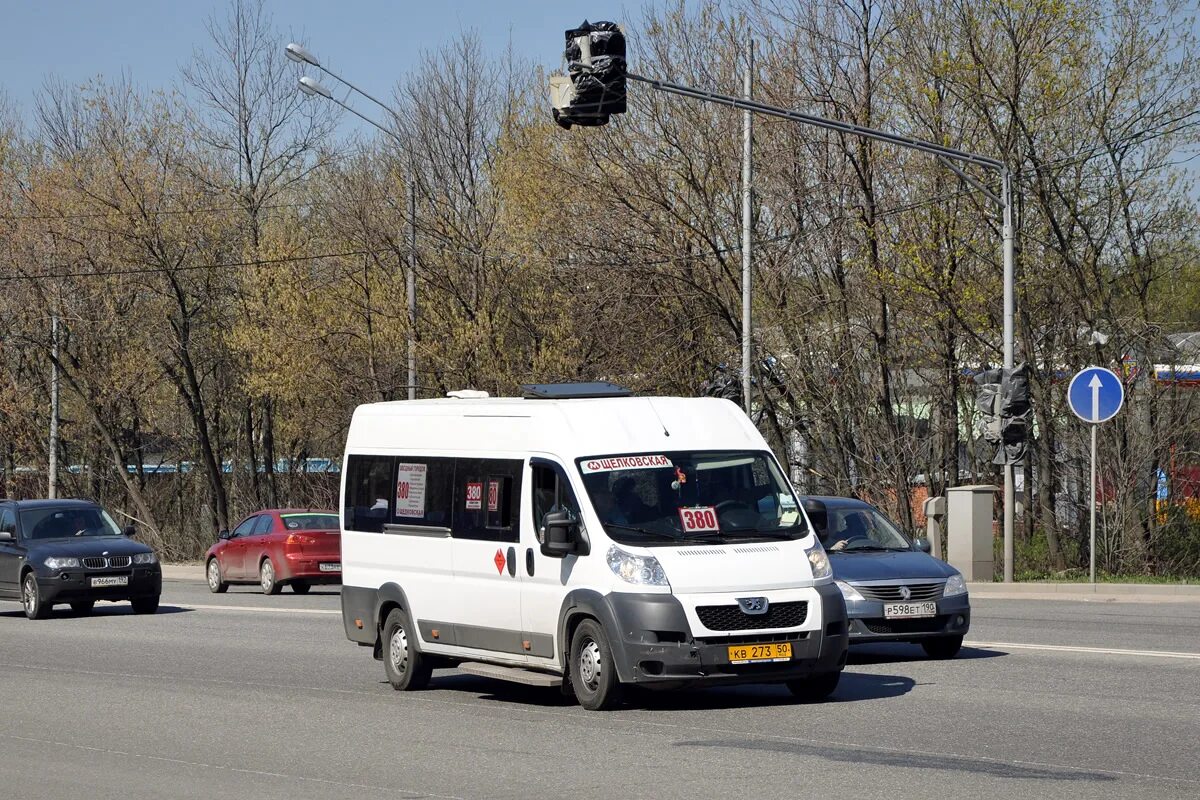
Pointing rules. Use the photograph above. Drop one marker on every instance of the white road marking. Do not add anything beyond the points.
(269, 609)
(1061, 648)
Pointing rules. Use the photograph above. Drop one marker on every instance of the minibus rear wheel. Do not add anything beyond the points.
(407, 670)
(593, 673)
(814, 688)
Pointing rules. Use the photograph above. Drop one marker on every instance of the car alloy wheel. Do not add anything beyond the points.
(31, 598)
(266, 577)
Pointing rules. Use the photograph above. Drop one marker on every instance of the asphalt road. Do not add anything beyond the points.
(246, 696)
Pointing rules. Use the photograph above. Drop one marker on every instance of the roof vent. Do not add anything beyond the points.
(468, 394)
(565, 391)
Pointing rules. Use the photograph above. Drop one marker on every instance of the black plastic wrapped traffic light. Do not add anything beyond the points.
(1003, 400)
(594, 86)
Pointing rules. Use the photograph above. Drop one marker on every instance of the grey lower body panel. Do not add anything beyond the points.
(75, 586)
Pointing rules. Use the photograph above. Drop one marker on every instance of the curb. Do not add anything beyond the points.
(1100, 592)
(183, 572)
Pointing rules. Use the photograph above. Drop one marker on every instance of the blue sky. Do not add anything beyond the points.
(370, 42)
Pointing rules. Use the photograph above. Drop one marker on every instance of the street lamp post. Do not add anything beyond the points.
(314, 88)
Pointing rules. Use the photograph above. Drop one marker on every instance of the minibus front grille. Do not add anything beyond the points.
(732, 618)
(754, 638)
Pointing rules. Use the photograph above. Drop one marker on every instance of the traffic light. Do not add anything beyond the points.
(1003, 399)
(594, 86)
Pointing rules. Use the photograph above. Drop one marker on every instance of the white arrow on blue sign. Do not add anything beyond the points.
(1095, 394)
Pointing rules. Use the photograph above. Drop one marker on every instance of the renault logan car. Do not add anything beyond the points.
(72, 552)
(894, 590)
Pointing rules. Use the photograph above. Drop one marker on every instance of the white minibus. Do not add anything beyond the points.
(584, 538)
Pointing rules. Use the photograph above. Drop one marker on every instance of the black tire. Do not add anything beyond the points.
(942, 647)
(83, 606)
(268, 579)
(31, 598)
(407, 670)
(212, 571)
(300, 587)
(593, 672)
(814, 688)
(145, 605)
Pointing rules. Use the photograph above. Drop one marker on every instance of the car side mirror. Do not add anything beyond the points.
(224, 535)
(923, 545)
(559, 534)
(129, 531)
(7, 536)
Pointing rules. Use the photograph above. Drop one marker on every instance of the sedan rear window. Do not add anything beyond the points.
(310, 522)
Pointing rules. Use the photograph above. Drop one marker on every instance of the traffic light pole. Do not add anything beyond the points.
(949, 157)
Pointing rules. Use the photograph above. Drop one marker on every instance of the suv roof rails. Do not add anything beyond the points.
(567, 391)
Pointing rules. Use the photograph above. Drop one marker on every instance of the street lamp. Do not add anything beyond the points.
(314, 88)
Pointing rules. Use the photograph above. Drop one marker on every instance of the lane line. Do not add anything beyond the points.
(269, 609)
(1062, 648)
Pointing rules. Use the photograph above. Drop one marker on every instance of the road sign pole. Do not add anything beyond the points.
(1093, 545)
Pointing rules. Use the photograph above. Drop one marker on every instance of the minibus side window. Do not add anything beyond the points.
(424, 491)
(368, 493)
(551, 492)
(485, 499)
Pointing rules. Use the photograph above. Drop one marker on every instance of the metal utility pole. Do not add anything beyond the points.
(52, 468)
(411, 284)
(747, 224)
(950, 158)
(1009, 306)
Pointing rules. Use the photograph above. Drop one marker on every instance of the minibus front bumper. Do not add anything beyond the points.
(656, 649)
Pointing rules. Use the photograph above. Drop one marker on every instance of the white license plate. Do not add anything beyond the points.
(909, 610)
(111, 580)
(331, 568)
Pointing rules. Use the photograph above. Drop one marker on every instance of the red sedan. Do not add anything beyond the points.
(273, 547)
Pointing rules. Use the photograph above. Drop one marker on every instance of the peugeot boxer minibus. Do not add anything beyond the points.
(584, 538)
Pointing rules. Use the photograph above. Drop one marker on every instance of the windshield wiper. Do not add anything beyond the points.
(646, 531)
(871, 548)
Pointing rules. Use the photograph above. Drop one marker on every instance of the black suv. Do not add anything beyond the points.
(71, 551)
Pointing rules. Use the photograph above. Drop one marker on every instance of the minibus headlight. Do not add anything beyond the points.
(642, 570)
(819, 561)
(954, 586)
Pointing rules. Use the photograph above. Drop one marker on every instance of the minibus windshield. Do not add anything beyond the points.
(655, 499)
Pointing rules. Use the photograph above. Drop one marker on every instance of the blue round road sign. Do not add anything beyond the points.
(1095, 394)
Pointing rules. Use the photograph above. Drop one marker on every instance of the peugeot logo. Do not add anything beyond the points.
(905, 593)
(753, 605)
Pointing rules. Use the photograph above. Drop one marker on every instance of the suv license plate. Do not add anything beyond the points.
(331, 568)
(909, 610)
(111, 580)
(748, 653)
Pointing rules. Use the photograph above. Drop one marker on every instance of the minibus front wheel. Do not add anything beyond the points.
(593, 672)
(407, 669)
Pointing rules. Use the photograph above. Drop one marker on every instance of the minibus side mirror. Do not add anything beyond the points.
(559, 534)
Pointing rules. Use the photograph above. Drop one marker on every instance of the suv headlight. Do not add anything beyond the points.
(145, 558)
(57, 562)
(849, 592)
(642, 570)
(954, 586)
(818, 560)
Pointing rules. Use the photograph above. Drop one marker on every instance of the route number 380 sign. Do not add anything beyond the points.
(698, 519)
